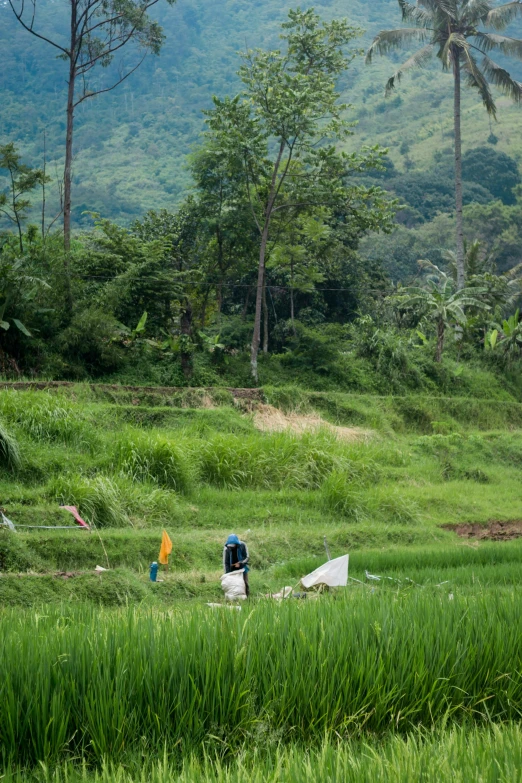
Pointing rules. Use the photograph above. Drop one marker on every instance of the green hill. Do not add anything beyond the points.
(131, 144)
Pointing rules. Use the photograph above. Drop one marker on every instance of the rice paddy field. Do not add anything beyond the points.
(106, 676)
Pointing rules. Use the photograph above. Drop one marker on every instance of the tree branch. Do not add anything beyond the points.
(30, 29)
(108, 89)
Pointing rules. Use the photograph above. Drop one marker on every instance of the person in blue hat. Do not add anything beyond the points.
(235, 555)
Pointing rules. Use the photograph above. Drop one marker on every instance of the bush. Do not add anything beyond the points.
(87, 347)
(308, 349)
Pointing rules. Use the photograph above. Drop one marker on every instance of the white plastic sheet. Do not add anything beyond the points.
(233, 585)
(334, 573)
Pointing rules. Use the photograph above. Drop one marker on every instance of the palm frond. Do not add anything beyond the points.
(502, 79)
(511, 47)
(476, 11)
(417, 60)
(478, 81)
(499, 18)
(388, 40)
(470, 301)
(449, 8)
(430, 5)
(453, 40)
(412, 13)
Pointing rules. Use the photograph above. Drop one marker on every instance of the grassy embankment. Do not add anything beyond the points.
(135, 463)
(414, 676)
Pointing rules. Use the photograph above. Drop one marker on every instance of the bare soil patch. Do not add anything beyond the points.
(492, 531)
(270, 419)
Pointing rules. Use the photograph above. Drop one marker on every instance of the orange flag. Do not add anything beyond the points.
(165, 549)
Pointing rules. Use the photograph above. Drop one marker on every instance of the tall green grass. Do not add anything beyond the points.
(114, 501)
(490, 755)
(98, 498)
(10, 456)
(282, 460)
(155, 458)
(47, 417)
(102, 685)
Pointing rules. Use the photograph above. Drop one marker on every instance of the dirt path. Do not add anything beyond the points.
(492, 531)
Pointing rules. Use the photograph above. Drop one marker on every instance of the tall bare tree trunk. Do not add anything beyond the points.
(67, 173)
(441, 330)
(461, 274)
(186, 332)
(292, 312)
(246, 303)
(256, 337)
(265, 318)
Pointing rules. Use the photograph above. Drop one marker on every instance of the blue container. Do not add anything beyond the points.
(153, 571)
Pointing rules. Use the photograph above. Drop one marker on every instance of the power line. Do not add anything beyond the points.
(274, 286)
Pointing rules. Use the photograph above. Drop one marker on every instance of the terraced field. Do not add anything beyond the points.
(416, 675)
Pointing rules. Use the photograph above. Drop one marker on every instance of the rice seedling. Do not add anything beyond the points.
(102, 685)
(10, 456)
(460, 755)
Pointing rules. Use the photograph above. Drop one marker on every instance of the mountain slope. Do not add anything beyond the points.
(131, 144)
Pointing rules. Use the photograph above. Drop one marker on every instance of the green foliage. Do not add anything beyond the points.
(96, 704)
(45, 417)
(14, 554)
(22, 179)
(157, 459)
(99, 498)
(434, 756)
(494, 170)
(10, 456)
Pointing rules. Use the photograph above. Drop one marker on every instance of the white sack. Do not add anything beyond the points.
(334, 573)
(233, 585)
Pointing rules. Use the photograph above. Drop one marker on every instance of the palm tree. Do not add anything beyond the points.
(442, 304)
(454, 30)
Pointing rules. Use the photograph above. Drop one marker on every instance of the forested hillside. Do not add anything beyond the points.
(131, 144)
(176, 271)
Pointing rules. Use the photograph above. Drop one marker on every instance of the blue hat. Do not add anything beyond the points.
(232, 539)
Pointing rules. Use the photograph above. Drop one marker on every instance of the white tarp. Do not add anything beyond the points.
(233, 585)
(334, 573)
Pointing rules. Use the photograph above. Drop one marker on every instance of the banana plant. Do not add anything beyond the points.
(508, 335)
(128, 336)
(17, 291)
(211, 344)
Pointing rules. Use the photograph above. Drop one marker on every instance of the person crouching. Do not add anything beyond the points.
(235, 555)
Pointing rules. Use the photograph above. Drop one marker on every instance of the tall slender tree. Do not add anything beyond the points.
(283, 129)
(97, 31)
(456, 31)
